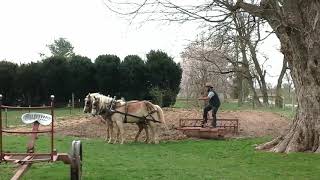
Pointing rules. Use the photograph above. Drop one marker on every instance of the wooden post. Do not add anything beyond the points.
(79, 105)
(69, 105)
(52, 125)
(72, 100)
(1, 154)
(6, 113)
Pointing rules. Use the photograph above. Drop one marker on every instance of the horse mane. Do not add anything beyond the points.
(104, 101)
(121, 102)
(91, 95)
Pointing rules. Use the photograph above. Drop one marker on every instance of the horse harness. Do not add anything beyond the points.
(112, 109)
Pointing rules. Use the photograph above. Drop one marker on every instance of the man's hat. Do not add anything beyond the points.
(208, 84)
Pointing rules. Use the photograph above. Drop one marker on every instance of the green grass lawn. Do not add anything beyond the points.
(188, 159)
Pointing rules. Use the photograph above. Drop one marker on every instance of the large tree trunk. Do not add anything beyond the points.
(239, 77)
(247, 75)
(297, 25)
(304, 133)
(244, 33)
(240, 90)
(261, 74)
(279, 99)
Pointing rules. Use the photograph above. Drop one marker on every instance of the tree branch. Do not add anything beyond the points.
(250, 8)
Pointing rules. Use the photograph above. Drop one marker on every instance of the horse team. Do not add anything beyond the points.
(117, 112)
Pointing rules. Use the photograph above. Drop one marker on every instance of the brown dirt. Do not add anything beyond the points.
(252, 124)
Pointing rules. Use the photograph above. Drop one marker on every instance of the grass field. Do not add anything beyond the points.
(189, 159)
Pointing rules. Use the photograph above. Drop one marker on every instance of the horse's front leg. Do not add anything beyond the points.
(118, 134)
(110, 133)
(108, 130)
(120, 127)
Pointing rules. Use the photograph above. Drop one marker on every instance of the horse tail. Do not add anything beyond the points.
(161, 116)
(159, 111)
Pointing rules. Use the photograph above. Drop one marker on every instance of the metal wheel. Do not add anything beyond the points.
(76, 160)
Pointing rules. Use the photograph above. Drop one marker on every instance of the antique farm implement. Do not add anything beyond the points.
(192, 128)
(25, 159)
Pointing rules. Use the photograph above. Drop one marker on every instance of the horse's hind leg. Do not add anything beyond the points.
(140, 125)
(153, 128)
(152, 133)
(147, 132)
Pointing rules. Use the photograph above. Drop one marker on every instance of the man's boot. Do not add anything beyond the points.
(214, 123)
(203, 123)
(214, 120)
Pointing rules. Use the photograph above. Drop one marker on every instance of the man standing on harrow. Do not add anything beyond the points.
(214, 104)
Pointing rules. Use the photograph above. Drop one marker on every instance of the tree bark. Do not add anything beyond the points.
(262, 80)
(245, 32)
(279, 99)
(240, 89)
(247, 75)
(296, 23)
(245, 67)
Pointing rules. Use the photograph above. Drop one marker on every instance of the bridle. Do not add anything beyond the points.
(88, 104)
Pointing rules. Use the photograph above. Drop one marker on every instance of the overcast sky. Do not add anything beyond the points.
(28, 26)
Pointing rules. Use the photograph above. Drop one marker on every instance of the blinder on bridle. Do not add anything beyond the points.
(87, 104)
(87, 100)
(112, 104)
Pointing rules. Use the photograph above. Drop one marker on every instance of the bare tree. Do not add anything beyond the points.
(203, 63)
(296, 24)
(243, 42)
(279, 99)
(218, 17)
(250, 28)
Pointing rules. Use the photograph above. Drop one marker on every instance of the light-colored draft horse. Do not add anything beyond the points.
(88, 107)
(130, 112)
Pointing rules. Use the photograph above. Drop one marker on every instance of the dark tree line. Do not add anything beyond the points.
(132, 78)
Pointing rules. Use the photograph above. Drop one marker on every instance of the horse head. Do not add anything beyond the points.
(87, 104)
